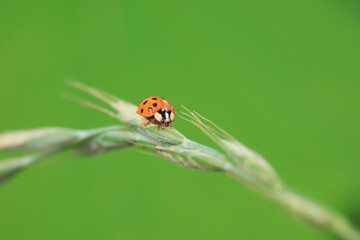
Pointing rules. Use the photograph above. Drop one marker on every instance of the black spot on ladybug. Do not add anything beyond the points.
(154, 98)
(142, 110)
(154, 104)
(150, 109)
(145, 102)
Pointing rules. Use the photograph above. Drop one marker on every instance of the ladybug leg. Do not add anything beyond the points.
(148, 122)
(158, 127)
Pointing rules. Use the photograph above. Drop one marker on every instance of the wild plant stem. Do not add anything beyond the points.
(235, 159)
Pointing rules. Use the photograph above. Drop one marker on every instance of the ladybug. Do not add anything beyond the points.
(157, 109)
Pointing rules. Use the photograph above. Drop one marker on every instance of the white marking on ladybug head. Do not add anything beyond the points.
(167, 117)
(158, 117)
(172, 116)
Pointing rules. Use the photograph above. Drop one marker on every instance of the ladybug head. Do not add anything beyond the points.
(164, 115)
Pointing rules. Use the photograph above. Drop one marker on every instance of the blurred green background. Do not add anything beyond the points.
(282, 77)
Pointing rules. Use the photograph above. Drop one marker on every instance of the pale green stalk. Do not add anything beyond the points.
(234, 159)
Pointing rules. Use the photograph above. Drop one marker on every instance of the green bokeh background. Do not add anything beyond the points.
(282, 77)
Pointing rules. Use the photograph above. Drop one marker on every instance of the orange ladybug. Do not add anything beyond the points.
(157, 109)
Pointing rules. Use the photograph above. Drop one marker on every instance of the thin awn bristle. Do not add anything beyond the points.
(204, 130)
(192, 121)
(211, 130)
(214, 131)
(90, 90)
(195, 118)
(216, 126)
(188, 115)
(110, 96)
(192, 114)
(90, 104)
(197, 123)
